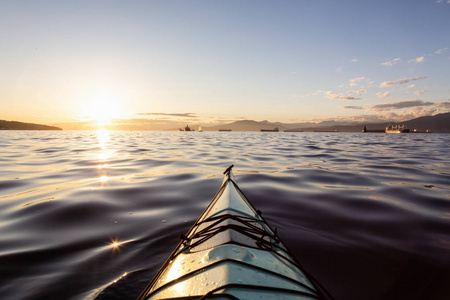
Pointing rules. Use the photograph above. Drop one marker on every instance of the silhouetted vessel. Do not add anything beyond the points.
(187, 128)
(396, 129)
(373, 130)
(326, 130)
(270, 130)
(293, 130)
(224, 129)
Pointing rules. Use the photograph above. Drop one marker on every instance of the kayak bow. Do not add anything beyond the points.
(232, 253)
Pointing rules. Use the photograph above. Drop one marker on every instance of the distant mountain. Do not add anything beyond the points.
(14, 125)
(247, 125)
(438, 123)
(250, 125)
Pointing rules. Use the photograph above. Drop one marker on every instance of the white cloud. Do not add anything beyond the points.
(410, 87)
(411, 112)
(354, 60)
(361, 91)
(444, 105)
(354, 81)
(411, 109)
(440, 51)
(333, 95)
(383, 95)
(417, 60)
(420, 92)
(330, 94)
(387, 83)
(307, 95)
(400, 81)
(391, 62)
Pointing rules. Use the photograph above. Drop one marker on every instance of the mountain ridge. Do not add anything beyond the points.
(439, 123)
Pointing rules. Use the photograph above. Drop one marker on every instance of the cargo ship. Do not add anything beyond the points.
(270, 130)
(396, 129)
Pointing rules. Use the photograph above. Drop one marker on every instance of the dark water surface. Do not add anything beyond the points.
(367, 214)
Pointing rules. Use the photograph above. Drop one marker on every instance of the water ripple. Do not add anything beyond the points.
(87, 215)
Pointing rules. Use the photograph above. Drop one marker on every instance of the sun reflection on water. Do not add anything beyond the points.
(105, 154)
(103, 143)
(103, 137)
(115, 244)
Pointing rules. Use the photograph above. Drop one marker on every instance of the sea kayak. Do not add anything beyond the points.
(232, 253)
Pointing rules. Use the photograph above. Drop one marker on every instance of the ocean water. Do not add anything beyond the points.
(93, 215)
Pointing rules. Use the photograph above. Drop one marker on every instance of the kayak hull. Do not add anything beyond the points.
(231, 252)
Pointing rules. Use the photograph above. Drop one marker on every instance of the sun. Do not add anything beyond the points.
(101, 108)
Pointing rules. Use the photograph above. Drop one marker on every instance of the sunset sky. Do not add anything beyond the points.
(219, 61)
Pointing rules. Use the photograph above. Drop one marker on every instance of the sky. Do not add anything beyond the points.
(209, 62)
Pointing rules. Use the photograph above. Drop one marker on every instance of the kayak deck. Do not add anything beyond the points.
(231, 253)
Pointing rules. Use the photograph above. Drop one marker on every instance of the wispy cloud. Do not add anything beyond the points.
(180, 115)
(383, 95)
(387, 83)
(420, 92)
(391, 62)
(333, 95)
(307, 95)
(406, 80)
(400, 105)
(361, 91)
(82, 118)
(417, 60)
(393, 112)
(410, 87)
(352, 107)
(400, 81)
(444, 105)
(354, 60)
(440, 51)
(354, 81)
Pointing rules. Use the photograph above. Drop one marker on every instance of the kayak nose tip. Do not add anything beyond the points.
(228, 170)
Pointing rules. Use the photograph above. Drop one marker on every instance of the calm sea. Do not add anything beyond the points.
(93, 215)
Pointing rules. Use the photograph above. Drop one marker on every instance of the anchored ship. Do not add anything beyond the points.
(270, 130)
(396, 129)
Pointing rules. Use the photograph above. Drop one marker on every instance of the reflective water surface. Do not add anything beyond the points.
(93, 215)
